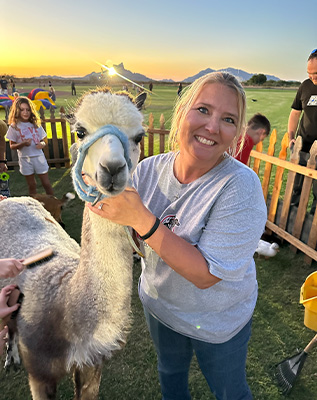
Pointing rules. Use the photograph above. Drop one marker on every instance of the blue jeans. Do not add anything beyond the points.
(223, 365)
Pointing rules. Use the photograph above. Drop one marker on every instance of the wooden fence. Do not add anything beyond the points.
(293, 224)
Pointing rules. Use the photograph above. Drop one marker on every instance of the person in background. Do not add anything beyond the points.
(12, 85)
(151, 86)
(200, 214)
(73, 88)
(3, 160)
(3, 85)
(180, 88)
(27, 136)
(258, 128)
(52, 93)
(303, 122)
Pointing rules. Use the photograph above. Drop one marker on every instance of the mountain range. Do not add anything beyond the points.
(136, 77)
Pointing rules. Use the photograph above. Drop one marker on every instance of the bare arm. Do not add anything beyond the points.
(181, 256)
(292, 124)
(15, 145)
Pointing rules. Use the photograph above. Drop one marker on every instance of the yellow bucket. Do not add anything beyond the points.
(308, 297)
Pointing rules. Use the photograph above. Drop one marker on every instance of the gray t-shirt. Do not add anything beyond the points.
(223, 214)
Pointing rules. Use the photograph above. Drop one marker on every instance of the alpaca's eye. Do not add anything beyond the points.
(139, 137)
(81, 132)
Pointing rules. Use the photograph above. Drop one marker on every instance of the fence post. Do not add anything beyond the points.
(162, 122)
(256, 164)
(294, 158)
(278, 179)
(151, 121)
(151, 136)
(302, 207)
(64, 137)
(54, 136)
(162, 135)
(312, 239)
(268, 166)
(43, 124)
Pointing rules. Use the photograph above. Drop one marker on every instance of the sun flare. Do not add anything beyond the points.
(111, 71)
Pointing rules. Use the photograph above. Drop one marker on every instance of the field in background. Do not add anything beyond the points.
(275, 104)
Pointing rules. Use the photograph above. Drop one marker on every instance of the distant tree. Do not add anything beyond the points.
(257, 79)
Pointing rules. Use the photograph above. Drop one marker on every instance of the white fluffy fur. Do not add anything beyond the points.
(76, 307)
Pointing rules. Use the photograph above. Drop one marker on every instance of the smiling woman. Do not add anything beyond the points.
(198, 283)
(207, 131)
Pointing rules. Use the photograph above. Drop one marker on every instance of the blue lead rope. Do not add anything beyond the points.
(87, 192)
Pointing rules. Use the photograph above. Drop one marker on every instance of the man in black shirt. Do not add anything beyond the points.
(303, 120)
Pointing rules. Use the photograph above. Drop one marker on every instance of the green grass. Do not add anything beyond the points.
(278, 330)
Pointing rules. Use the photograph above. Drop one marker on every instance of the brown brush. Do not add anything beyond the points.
(289, 369)
(39, 258)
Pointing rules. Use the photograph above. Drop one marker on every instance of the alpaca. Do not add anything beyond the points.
(76, 307)
(54, 205)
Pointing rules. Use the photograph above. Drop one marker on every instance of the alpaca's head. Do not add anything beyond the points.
(105, 166)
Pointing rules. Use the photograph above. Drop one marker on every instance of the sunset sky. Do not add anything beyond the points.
(160, 39)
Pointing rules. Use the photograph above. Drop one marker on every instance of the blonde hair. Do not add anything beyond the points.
(188, 97)
(15, 112)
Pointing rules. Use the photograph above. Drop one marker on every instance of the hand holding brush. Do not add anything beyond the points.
(10, 267)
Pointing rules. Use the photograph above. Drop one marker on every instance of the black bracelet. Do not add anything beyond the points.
(3, 161)
(152, 230)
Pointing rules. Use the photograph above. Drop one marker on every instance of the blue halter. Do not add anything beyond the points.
(87, 192)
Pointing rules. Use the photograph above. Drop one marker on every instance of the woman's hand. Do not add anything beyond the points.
(10, 267)
(291, 144)
(5, 293)
(128, 209)
(125, 209)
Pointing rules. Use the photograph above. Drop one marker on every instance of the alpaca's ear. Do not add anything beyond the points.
(70, 118)
(73, 152)
(125, 94)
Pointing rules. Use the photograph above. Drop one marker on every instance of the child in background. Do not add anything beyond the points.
(258, 128)
(26, 136)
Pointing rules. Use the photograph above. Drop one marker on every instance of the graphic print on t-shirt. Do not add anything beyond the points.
(313, 100)
(30, 133)
(170, 221)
